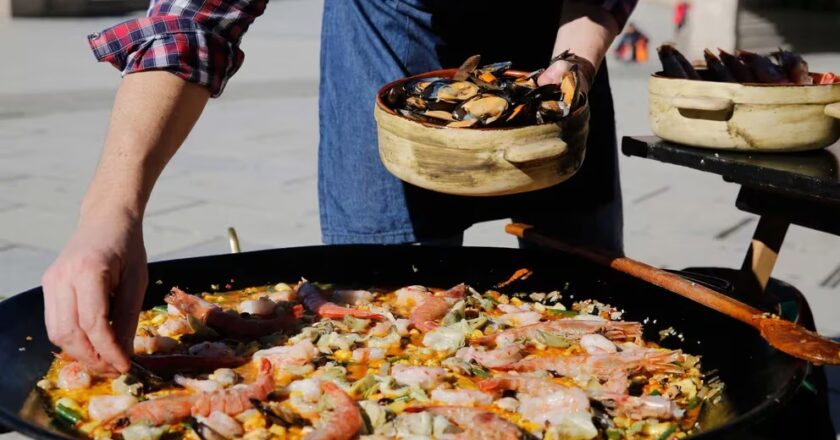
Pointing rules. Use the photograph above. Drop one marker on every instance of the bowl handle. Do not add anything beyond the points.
(704, 103)
(539, 150)
(833, 110)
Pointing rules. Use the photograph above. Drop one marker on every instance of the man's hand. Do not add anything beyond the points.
(557, 69)
(101, 273)
(586, 30)
(102, 269)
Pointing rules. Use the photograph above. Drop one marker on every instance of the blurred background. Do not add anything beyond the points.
(250, 162)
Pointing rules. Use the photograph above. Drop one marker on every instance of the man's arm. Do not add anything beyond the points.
(587, 28)
(102, 268)
(175, 58)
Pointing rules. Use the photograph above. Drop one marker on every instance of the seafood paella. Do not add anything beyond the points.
(317, 361)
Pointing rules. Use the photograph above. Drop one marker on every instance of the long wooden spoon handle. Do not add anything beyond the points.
(658, 277)
(784, 335)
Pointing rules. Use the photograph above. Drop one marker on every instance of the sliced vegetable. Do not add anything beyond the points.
(455, 314)
(67, 415)
(356, 324)
(563, 313)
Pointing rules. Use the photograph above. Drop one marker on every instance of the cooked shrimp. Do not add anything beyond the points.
(602, 365)
(364, 354)
(596, 343)
(221, 378)
(227, 323)
(411, 296)
(106, 407)
(174, 408)
(259, 307)
(238, 398)
(74, 376)
(198, 385)
(154, 344)
(222, 424)
(160, 411)
(224, 376)
(175, 327)
(423, 377)
(541, 401)
(520, 319)
(432, 308)
(639, 407)
(501, 356)
(401, 325)
(343, 422)
(381, 329)
(476, 424)
(301, 353)
(316, 303)
(571, 329)
(461, 397)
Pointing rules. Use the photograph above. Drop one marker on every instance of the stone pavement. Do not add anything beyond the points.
(250, 162)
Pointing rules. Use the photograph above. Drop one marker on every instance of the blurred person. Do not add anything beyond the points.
(680, 15)
(185, 51)
(633, 46)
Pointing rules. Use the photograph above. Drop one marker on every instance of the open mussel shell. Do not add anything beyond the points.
(417, 86)
(451, 91)
(467, 68)
(551, 111)
(570, 86)
(486, 108)
(203, 431)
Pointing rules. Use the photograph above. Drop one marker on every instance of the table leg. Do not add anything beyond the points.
(761, 257)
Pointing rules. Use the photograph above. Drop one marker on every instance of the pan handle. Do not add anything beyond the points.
(704, 103)
(550, 148)
(833, 110)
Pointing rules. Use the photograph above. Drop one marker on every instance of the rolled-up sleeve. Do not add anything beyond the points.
(619, 9)
(194, 39)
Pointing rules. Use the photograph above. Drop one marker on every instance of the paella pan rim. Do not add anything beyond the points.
(342, 260)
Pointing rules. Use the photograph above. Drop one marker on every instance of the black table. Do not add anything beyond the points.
(783, 189)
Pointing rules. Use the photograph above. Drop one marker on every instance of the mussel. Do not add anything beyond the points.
(450, 91)
(485, 108)
(762, 68)
(780, 67)
(794, 66)
(486, 96)
(718, 71)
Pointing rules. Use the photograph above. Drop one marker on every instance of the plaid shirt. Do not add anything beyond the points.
(198, 40)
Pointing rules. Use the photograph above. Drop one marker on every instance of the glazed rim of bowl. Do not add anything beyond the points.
(661, 75)
(447, 73)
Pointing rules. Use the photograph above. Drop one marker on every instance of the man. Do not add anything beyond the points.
(185, 51)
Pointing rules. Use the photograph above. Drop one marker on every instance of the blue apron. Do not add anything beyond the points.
(368, 43)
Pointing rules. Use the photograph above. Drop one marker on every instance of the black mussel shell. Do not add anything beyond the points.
(497, 69)
(395, 96)
(467, 68)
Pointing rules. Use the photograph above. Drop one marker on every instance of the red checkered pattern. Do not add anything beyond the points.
(198, 40)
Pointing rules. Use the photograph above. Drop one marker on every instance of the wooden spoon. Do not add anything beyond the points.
(783, 335)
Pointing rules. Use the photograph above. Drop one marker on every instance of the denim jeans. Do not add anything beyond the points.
(368, 43)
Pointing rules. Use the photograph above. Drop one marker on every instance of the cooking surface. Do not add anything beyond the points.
(757, 384)
(812, 173)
